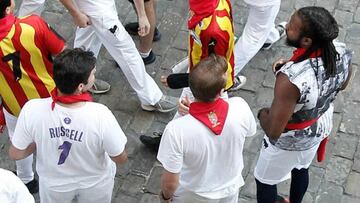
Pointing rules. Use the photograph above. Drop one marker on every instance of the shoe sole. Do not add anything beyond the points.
(99, 91)
(151, 108)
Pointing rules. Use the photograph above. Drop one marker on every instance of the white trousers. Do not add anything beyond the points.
(107, 29)
(101, 192)
(184, 196)
(24, 168)
(28, 7)
(275, 165)
(259, 29)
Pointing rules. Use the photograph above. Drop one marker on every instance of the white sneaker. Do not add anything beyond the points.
(164, 105)
(281, 27)
(239, 81)
(99, 87)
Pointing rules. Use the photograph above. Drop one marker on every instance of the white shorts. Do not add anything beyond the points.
(184, 196)
(274, 164)
(100, 192)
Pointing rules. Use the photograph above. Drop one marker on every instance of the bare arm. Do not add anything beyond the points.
(17, 154)
(121, 158)
(80, 19)
(169, 183)
(144, 25)
(347, 79)
(274, 120)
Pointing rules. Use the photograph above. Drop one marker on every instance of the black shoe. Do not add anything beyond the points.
(149, 59)
(133, 28)
(33, 186)
(152, 141)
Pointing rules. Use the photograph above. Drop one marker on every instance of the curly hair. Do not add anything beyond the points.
(322, 28)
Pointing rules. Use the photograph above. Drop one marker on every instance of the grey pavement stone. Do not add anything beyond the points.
(269, 80)
(303, 3)
(149, 198)
(357, 15)
(356, 165)
(353, 34)
(345, 145)
(153, 184)
(249, 189)
(343, 18)
(132, 184)
(353, 87)
(349, 199)
(348, 5)
(181, 40)
(243, 199)
(350, 119)
(265, 98)
(329, 4)
(352, 184)
(337, 170)
(123, 198)
(144, 161)
(329, 193)
(316, 174)
(142, 121)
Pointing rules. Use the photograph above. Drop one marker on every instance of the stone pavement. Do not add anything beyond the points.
(335, 180)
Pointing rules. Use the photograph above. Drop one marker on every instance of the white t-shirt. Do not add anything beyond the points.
(263, 2)
(97, 7)
(72, 145)
(209, 165)
(12, 190)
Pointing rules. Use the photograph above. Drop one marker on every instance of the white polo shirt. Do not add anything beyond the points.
(209, 165)
(72, 145)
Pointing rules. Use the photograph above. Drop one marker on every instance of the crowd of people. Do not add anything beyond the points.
(47, 106)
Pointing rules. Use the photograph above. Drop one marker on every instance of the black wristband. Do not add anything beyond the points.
(178, 80)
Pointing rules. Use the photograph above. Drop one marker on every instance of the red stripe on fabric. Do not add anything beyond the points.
(25, 57)
(300, 126)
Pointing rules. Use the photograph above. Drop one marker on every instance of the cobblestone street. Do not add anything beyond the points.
(335, 180)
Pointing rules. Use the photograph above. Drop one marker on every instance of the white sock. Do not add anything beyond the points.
(144, 55)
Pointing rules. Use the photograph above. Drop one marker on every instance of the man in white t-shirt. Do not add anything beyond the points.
(77, 141)
(12, 189)
(201, 152)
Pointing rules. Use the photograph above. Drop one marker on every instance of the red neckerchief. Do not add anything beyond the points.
(211, 114)
(6, 24)
(200, 10)
(68, 99)
(301, 51)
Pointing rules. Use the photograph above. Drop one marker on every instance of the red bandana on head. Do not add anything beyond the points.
(200, 10)
(68, 99)
(212, 114)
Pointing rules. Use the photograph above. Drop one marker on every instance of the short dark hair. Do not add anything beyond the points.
(3, 5)
(207, 78)
(319, 25)
(72, 67)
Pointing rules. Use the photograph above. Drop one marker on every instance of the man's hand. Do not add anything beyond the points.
(163, 80)
(184, 105)
(278, 64)
(144, 26)
(81, 20)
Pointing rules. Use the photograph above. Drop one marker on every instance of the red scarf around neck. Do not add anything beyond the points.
(301, 51)
(68, 99)
(211, 114)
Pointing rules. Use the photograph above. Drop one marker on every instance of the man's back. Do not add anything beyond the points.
(26, 45)
(73, 144)
(209, 165)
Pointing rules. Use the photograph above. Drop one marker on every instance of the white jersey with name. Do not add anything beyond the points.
(73, 145)
(209, 165)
